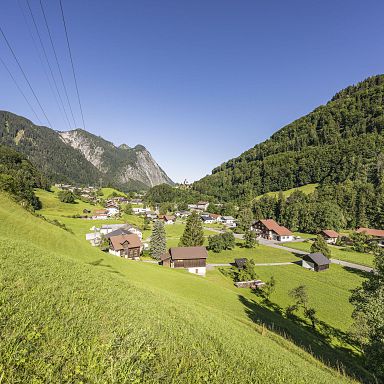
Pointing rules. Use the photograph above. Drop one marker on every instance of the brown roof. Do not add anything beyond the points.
(168, 218)
(279, 229)
(330, 233)
(101, 212)
(188, 253)
(214, 215)
(371, 231)
(118, 241)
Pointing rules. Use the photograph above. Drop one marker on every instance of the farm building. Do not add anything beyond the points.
(191, 258)
(330, 236)
(269, 229)
(377, 234)
(128, 246)
(315, 262)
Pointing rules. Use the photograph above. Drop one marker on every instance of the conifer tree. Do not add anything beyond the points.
(193, 233)
(158, 243)
(321, 246)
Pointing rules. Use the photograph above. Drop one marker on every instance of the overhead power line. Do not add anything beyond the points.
(57, 61)
(25, 76)
(20, 90)
(73, 67)
(58, 99)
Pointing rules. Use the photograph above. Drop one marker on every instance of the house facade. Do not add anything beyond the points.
(269, 229)
(193, 259)
(377, 234)
(128, 246)
(330, 236)
(229, 221)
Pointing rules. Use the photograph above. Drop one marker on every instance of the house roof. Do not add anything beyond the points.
(205, 218)
(101, 212)
(330, 233)
(169, 217)
(214, 215)
(371, 231)
(117, 232)
(188, 253)
(228, 218)
(202, 203)
(317, 258)
(272, 225)
(118, 241)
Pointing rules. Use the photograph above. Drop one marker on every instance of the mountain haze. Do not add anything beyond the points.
(338, 141)
(80, 157)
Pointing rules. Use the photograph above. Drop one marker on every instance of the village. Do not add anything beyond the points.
(132, 241)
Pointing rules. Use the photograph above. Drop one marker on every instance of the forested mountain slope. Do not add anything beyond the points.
(79, 157)
(338, 141)
(70, 313)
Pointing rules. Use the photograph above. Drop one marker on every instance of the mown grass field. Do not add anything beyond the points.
(70, 313)
(307, 189)
(341, 253)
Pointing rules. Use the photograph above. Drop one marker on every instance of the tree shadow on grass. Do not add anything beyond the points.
(358, 272)
(99, 263)
(315, 341)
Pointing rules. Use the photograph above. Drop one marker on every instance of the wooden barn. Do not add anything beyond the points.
(315, 262)
(194, 259)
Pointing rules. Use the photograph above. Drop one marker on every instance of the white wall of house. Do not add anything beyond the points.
(113, 252)
(308, 265)
(168, 222)
(285, 238)
(330, 240)
(201, 271)
(113, 211)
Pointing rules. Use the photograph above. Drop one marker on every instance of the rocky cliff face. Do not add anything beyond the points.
(122, 164)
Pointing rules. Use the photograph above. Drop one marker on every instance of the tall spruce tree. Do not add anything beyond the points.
(158, 243)
(319, 245)
(193, 235)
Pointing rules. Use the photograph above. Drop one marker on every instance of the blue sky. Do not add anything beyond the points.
(196, 82)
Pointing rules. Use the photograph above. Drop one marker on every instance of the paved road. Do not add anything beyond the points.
(211, 266)
(352, 265)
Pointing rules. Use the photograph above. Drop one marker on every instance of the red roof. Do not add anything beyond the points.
(330, 233)
(271, 225)
(371, 231)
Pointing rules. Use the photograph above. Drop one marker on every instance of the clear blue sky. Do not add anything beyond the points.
(196, 82)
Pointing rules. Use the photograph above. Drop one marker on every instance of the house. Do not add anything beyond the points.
(207, 219)
(330, 236)
(112, 211)
(100, 214)
(151, 215)
(377, 234)
(269, 229)
(128, 246)
(191, 258)
(167, 219)
(203, 205)
(182, 214)
(229, 221)
(118, 232)
(94, 238)
(315, 262)
(140, 210)
(215, 217)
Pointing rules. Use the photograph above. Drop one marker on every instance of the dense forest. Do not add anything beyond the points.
(19, 177)
(339, 141)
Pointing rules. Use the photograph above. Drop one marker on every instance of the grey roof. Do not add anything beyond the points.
(317, 258)
(227, 218)
(117, 232)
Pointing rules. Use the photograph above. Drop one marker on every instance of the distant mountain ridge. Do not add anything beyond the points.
(335, 142)
(80, 157)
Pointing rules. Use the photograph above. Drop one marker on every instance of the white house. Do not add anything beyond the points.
(330, 236)
(139, 210)
(229, 221)
(105, 229)
(113, 211)
(269, 229)
(208, 220)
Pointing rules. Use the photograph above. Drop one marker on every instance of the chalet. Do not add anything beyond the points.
(140, 210)
(169, 219)
(229, 221)
(330, 236)
(270, 230)
(191, 258)
(207, 219)
(151, 215)
(215, 217)
(315, 262)
(100, 214)
(377, 234)
(128, 246)
(200, 206)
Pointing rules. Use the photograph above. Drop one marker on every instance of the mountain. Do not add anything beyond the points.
(123, 164)
(342, 140)
(80, 157)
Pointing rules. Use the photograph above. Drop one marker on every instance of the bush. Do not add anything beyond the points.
(67, 197)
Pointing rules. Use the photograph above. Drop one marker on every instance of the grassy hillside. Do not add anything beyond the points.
(70, 313)
(307, 189)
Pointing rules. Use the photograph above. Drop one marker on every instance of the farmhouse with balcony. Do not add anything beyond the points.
(269, 229)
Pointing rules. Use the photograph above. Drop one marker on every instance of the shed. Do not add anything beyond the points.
(315, 262)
